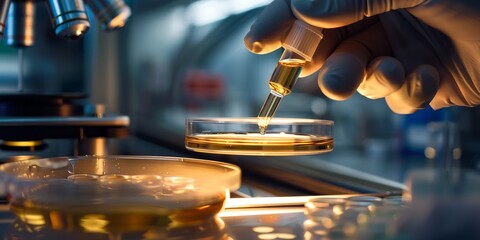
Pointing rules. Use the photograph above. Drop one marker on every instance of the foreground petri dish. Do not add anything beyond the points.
(241, 136)
(116, 193)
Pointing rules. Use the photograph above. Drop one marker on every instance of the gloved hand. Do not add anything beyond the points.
(411, 52)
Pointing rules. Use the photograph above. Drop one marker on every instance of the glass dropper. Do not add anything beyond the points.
(300, 45)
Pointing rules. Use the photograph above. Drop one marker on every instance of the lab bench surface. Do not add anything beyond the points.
(302, 217)
(245, 218)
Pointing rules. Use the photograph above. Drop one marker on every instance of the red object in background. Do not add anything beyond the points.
(201, 86)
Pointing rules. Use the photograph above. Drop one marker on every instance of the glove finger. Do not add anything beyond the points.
(416, 93)
(331, 40)
(345, 69)
(338, 13)
(270, 28)
(385, 75)
(452, 17)
(334, 81)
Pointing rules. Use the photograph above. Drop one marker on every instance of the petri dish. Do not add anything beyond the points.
(241, 136)
(116, 193)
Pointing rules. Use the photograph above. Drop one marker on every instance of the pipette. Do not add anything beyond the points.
(300, 45)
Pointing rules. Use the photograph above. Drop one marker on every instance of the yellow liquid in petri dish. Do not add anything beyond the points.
(103, 210)
(268, 144)
(113, 218)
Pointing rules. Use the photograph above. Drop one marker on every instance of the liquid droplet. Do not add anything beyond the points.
(262, 130)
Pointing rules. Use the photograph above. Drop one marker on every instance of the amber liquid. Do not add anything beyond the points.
(269, 144)
(111, 218)
(285, 75)
(281, 83)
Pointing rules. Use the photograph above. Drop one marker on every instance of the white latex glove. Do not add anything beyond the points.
(411, 52)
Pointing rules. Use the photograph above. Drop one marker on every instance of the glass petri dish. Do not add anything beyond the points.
(116, 193)
(241, 136)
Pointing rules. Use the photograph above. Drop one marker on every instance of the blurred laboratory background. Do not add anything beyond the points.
(186, 58)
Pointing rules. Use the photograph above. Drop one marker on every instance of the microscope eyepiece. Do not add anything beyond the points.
(112, 14)
(69, 18)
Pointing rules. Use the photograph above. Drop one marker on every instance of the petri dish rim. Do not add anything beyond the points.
(230, 173)
(254, 120)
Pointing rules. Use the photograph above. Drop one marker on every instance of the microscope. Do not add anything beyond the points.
(29, 118)
(69, 18)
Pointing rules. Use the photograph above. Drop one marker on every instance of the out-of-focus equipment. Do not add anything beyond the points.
(3, 15)
(112, 14)
(28, 120)
(69, 18)
(20, 23)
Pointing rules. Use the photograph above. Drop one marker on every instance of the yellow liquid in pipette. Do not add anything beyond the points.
(281, 83)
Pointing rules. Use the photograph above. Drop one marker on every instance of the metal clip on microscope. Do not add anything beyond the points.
(26, 118)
